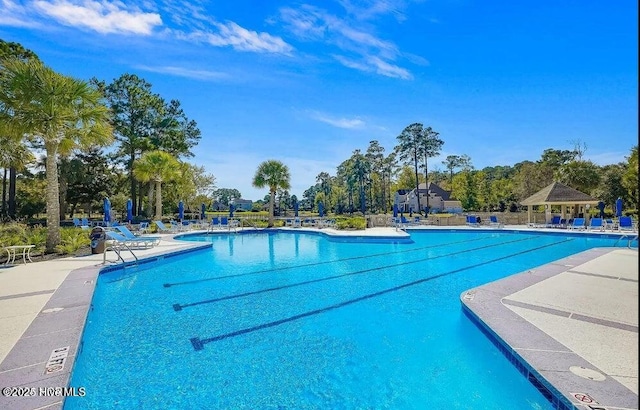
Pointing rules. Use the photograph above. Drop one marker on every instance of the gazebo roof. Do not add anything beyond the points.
(558, 193)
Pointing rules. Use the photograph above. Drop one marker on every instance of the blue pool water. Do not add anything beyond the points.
(296, 321)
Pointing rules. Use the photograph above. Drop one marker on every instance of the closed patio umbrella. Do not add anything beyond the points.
(395, 210)
(601, 208)
(129, 210)
(295, 208)
(619, 207)
(180, 211)
(203, 209)
(320, 209)
(106, 204)
(231, 209)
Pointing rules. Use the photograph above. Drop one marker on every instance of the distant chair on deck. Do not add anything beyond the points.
(473, 220)
(493, 222)
(555, 222)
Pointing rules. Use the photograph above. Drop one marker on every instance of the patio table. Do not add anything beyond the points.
(14, 249)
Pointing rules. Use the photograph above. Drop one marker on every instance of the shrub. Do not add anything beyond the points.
(350, 223)
(71, 240)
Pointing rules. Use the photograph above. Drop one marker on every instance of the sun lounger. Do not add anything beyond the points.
(163, 228)
(578, 223)
(596, 224)
(625, 223)
(138, 242)
(493, 222)
(130, 235)
(555, 222)
(472, 220)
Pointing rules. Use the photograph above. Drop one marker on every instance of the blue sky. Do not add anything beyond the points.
(309, 82)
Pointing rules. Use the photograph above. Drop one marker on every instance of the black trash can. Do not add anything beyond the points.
(98, 237)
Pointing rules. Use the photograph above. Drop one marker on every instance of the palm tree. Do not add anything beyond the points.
(275, 175)
(157, 167)
(57, 112)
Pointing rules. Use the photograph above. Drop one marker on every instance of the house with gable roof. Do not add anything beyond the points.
(439, 199)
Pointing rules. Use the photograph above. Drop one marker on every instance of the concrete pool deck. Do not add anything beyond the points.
(43, 307)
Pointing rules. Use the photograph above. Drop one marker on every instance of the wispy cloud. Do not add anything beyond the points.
(205, 75)
(15, 15)
(359, 47)
(241, 39)
(100, 16)
(348, 123)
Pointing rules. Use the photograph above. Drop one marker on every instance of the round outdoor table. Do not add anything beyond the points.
(15, 249)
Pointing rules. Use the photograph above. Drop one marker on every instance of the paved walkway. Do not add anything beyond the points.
(574, 322)
(43, 307)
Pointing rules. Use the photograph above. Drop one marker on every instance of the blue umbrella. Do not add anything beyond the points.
(107, 210)
(395, 210)
(231, 209)
(320, 209)
(601, 208)
(619, 207)
(203, 209)
(295, 208)
(180, 210)
(129, 210)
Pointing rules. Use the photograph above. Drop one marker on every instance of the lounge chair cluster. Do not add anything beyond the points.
(624, 223)
(310, 222)
(476, 221)
(218, 223)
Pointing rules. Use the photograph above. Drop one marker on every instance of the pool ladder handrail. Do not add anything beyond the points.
(630, 239)
(117, 247)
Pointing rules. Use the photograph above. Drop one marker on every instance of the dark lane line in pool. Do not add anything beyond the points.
(178, 307)
(198, 344)
(190, 282)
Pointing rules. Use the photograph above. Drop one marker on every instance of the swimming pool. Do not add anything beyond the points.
(281, 320)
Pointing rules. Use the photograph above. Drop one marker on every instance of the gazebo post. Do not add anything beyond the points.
(529, 213)
(563, 211)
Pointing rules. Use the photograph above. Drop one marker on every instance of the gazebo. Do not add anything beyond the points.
(558, 194)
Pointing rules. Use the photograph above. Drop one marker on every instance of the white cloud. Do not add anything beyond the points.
(15, 15)
(347, 123)
(368, 52)
(241, 39)
(103, 17)
(184, 72)
(389, 70)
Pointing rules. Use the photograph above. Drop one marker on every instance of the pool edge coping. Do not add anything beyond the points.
(483, 306)
(80, 283)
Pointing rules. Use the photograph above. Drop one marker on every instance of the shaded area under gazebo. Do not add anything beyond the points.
(571, 201)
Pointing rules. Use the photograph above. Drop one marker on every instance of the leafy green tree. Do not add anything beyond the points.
(226, 195)
(29, 199)
(55, 111)
(275, 175)
(557, 158)
(466, 187)
(611, 186)
(15, 155)
(417, 142)
(630, 178)
(143, 122)
(325, 182)
(375, 157)
(157, 167)
(530, 177)
(581, 175)
(453, 162)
